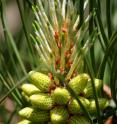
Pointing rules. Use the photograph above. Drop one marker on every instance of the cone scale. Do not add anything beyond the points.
(103, 103)
(40, 80)
(24, 122)
(88, 91)
(61, 96)
(75, 108)
(42, 101)
(59, 115)
(78, 83)
(34, 115)
(30, 89)
(78, 120)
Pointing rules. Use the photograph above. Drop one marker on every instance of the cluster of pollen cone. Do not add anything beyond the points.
(56, 94)
(54, 104)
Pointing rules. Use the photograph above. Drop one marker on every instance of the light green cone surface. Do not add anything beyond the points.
(29, 89)
(58, 106)
(78, 120)
(40, 80)
(78, 83)
(25, 97)
(61, 96)
(42, 101)
(34, 115)
(59, 115)
(29, 122)
(88, 91)
(24, 122)
(74, 106)
(103, 103)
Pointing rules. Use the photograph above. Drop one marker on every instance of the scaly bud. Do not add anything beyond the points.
(61, 96)
(78, 83)
(59, 115)
(29, 89)
(34, 115)
(74, 106)
(88, 91)
(78, 120)
(40, 80)
(42, 101)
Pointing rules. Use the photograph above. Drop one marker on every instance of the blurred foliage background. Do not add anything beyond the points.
(18, 55)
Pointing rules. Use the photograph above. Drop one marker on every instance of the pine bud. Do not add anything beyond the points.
(42, 101)
(88, 91)
(40, 80)
(74, 106)
(29, 89)
(78, 120)
(61, 96)
(103, 103)
(34, 115)
(78, 83)
(59, 115)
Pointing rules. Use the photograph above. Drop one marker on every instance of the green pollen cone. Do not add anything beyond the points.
(103, 103)
(34, 115)
(24, 122)
(88, 91)
(61, 96)
(59, 115)
(40, 80)
(74, 106)
(42, 101)
(29, 89)
(78, 120)
(78, 83)
(25, 96)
